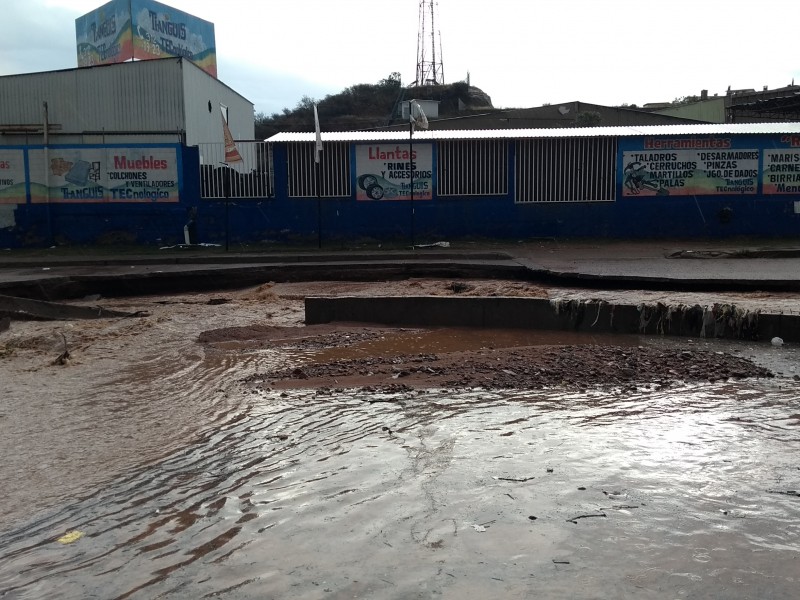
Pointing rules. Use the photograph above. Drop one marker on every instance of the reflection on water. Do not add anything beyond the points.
(688, 492)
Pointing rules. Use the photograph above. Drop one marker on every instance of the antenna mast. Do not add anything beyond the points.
(430, 71)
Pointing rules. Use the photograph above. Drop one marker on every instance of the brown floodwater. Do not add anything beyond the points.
(426, 341)
(187, 483)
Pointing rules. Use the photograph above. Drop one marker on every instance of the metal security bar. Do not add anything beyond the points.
(252, 177)
(334, 170)
(566, 170)
(472, 168)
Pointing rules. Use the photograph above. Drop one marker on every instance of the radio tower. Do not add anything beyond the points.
(429, 65)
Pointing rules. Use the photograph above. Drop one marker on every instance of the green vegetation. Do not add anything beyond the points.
(364, 106)
(683, 100)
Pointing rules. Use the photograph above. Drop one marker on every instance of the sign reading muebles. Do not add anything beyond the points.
(97, 174)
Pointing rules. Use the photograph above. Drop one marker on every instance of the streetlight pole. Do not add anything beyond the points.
(411, 164)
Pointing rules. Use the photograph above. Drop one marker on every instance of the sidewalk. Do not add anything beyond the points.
(680, 265)
(718, 265)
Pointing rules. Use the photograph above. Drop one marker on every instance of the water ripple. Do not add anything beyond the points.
(291, 494)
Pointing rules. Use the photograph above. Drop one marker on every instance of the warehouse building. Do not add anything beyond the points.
(110, 153)
(128, 153)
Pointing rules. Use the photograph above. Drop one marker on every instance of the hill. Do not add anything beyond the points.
(369, 106)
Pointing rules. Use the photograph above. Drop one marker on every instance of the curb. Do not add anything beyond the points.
(718, 321)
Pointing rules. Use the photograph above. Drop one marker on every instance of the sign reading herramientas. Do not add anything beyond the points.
(685, 143)
(689, 167)
(758, 165)
(93, 174)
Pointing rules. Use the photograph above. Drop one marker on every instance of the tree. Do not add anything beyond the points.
(392, 81)
(682, 100)
(306, 103)
(361, 106)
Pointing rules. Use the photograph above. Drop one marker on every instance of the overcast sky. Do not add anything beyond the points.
(522, 53)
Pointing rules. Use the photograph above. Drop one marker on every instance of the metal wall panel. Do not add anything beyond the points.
(253, 177)
(565, 170)
(151, 98)
(334, 171)
(472, 168)
(566, 132)
(125, 97)
(203, 96)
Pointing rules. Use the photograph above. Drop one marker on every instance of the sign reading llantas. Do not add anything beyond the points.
(123, 30)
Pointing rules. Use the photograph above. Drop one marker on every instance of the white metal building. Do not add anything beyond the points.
(557, 165)
(153, 101)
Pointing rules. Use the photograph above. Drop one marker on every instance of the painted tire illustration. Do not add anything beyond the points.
(366, 180)
(375, 192)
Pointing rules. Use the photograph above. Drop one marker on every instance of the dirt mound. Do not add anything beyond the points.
(530, 367)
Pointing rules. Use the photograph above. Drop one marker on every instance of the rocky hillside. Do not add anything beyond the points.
(370, 106)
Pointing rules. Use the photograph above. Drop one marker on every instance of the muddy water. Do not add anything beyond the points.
(689, 492)
(125, 397)
(187, 483)
(448, 339)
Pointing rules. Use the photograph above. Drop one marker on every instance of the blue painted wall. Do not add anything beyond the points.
(109, 222)
(291, 220)
(446, 218)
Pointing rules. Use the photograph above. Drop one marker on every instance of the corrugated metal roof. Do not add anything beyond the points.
(480, 134)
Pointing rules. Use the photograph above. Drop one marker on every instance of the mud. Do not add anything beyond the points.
(385, 363)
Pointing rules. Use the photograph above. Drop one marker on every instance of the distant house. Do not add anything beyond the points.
(738, 106)
(706, 110)
(565, 114)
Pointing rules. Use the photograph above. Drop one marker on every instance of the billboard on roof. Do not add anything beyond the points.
(123, 30)
(103, 36)
(160, 30)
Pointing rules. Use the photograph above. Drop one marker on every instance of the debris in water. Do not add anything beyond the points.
(70, 537)
(575, 519)
(64, 356)
(218, 301)
(785, 493)
(434, 245)
(459, 286)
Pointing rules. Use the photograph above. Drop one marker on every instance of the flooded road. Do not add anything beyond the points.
(183, 481)
(691, 493)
